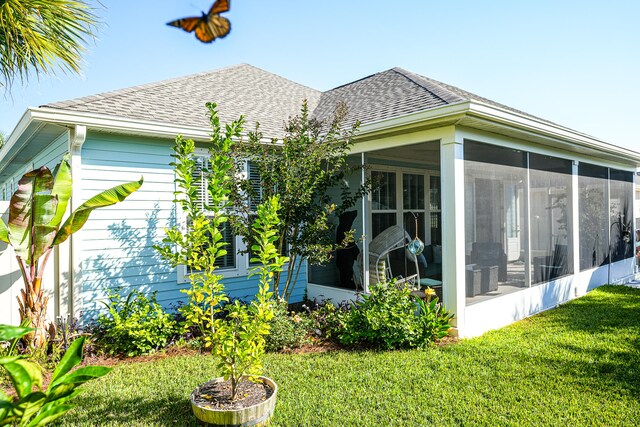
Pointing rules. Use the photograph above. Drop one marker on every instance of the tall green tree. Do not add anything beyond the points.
(302, 169)
(40, 36)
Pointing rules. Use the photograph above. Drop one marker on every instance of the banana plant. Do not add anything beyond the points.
(32, 405)
(34, 228)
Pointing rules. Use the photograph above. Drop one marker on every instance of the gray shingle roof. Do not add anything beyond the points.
(270, 99)
(394, 93)
(242, 89)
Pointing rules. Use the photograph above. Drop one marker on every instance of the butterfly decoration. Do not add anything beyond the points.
(209, 26)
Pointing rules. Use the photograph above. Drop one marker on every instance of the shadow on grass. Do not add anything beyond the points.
(164, 411)
(597, 339)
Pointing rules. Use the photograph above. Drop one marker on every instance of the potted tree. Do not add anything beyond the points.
(235, 332)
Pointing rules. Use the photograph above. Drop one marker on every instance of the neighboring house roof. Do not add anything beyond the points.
(242, 89)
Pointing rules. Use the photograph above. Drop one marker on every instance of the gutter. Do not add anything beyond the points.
(552, 130)
(495, 115)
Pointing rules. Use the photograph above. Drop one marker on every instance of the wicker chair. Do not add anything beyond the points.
(394, 237)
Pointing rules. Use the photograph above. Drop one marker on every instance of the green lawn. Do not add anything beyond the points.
(578, 365)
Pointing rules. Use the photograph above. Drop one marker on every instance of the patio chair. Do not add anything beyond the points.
(394, 237)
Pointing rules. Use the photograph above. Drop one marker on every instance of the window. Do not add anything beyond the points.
(401, 196)
(227, 261)
(383, 201)
(236, 262)
(409, 198)
(436, 214)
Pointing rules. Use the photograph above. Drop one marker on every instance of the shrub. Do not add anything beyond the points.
(134, 325)
(288, 329)
(390, 317)
(434, 320)
(33, 405)
(325, 320)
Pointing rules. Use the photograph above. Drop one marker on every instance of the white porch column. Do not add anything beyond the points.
(453, 229)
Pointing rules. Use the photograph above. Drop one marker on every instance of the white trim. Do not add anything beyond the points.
(513, 119)
(498, 116)
(453, 227)
(77, 138)
(575, 217)
(486, 137)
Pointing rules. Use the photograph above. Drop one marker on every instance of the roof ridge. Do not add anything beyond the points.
(281, 77)
(352, 82)
(443, 86)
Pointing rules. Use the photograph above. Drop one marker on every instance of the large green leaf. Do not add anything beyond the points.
(27, 407)
(9, 359)
(24, 375)
(21, 209)
(8, 332)
(71, 358)
(107, 198)
(66, 383)
(44, 209)
(50, 414)
(62, 187)
(61, 392)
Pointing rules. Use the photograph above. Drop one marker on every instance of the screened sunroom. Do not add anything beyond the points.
(510, 227)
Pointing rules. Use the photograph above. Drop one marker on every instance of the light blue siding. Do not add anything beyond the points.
(117, 241)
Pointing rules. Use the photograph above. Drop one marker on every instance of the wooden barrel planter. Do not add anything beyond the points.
(255, 415)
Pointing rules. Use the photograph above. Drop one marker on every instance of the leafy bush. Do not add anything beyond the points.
(325, 320)
(288, 329)
(134, 325)
(434, 320)
(390, 317)
(39, 407)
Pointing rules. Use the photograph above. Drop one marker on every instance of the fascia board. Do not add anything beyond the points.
(550, 130)
(410, 120)
(101, 122)
(18, 138)
(117, 124)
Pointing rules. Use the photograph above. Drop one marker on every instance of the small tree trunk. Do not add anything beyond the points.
(32, 302)
(32, 306)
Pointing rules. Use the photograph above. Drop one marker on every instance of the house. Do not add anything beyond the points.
(518, 214)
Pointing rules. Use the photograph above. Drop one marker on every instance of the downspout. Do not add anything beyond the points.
(77, 137)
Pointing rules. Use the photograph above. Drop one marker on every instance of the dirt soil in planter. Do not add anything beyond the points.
(217, 395)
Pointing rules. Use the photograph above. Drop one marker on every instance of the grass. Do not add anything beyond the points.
(577, 365)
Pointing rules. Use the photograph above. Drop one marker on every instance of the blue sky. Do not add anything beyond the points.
(576, 63)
